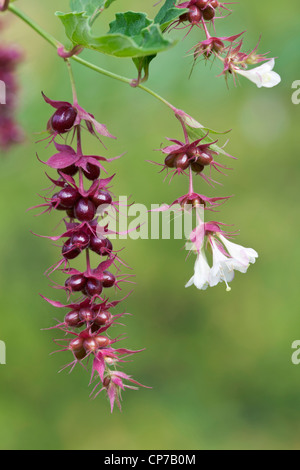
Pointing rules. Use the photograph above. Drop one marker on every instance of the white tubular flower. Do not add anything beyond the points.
(223, 267)
(240, 253)
(262, 76)
(202, 273)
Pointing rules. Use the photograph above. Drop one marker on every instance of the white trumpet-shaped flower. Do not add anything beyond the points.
(262, 76)
(240, 253)
(228, 257)
(223, 267)
(201, 277)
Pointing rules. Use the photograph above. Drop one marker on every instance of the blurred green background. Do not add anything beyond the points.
(219, 364)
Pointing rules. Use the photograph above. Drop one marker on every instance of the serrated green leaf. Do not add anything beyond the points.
(168, 13)
(130, 35)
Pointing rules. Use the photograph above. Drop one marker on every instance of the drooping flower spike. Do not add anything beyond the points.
(83, 198)
(211, 236)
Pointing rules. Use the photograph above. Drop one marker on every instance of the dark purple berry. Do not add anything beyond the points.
(102, 197)
(80, 240)
(170, 161)
(69, 170)
(182, 161)
(93, 287)
(86, 314)
(68, 196)
(72, 319)
(56, 204)
(80, 354)
(85, 210)
(204, 158)
(209, 13)
(108, 279)
(76, 344)
(92, 172)
(90, 344)
(102, 341)
(101, 246)
(197, 168)
(202, 4)
(69, 251)
(75, 283)
(102, 318)
(63, 119)
(194, 15)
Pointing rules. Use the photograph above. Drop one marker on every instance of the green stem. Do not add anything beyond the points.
(75, 101)
(51, 40)
(33, 25)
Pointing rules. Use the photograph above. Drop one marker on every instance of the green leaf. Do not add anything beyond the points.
(168, 13)
(92, 8)
(130, 35)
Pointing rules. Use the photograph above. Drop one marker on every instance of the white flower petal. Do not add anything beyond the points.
(262, 76)
(240, 253)
(202, 272)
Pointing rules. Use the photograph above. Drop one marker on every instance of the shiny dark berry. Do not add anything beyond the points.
(76, 344)
(56, 204)
(204, 158)
(182, 161)
(69, 251)
(85, 210)
(63, 119)
(80, 240)
(194, 15)
(75, 283)
(69, 170)
(102, 341)
(102, 318)
(68, 196)
(93, 287)
(81, 354)
(92, 172)
(86, 314)
(108, 279)
(197, 168)
(72, 319)
(208, 13)
(170, 161)
(202, 4)
(90, 344)
(102, 197)
(101, 246)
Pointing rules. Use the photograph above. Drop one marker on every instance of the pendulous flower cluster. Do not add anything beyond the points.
(200, 158)
(10, 131)
(83, 198)
(203, 13)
